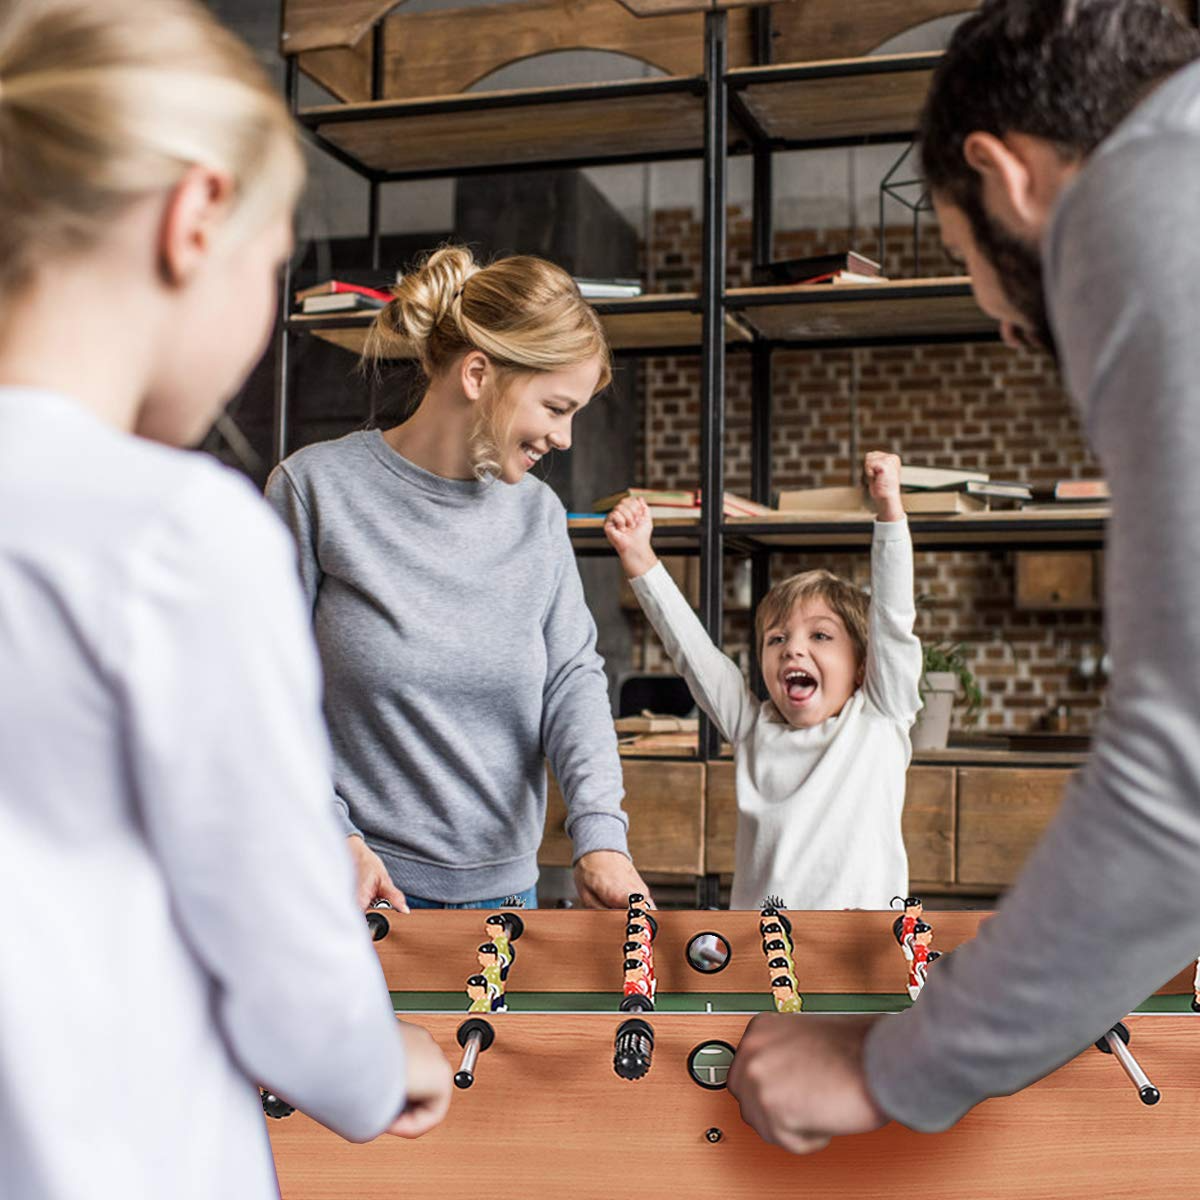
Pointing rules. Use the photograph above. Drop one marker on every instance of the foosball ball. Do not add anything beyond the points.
(592, 1048)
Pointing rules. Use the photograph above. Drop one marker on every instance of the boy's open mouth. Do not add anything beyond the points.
(800, 686)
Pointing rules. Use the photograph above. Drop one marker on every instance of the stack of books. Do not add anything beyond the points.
(1069, 496)
(846, 267)
(947, 490)
(926, 491)
(340, 296)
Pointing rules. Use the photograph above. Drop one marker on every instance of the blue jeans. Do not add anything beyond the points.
(530, 898)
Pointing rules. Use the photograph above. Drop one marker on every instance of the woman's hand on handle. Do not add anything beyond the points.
(374, 882)
(428, 1084)
(604, 879)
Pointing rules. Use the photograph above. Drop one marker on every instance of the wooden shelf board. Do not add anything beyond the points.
(842, 98)
(895, 308)
(627, 330)
(658, 8)
(984, 529)
(527, 125)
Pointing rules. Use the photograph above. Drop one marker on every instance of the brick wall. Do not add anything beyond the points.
(974, 406)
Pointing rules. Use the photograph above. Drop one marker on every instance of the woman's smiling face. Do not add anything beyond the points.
(542, 405)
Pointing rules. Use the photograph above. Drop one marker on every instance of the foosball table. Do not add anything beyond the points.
(591, 1052)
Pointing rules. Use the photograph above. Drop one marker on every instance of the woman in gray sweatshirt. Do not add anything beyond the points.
(458, 650)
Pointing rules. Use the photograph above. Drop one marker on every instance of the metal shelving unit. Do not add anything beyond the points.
(759, 111)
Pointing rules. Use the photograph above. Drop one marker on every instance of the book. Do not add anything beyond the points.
(649, 722)
(1069, 508)
(816, 268)
(341, 302)
(849, 277)
(1082, 490)
(826, 499)
(813, 502)
(608, 289)
(740, 506)
(334, 287)
(654, 496)
(931, 504)
(938, 478)
(683, 502)
(998, 489)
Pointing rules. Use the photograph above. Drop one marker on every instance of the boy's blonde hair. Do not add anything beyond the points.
(846, 599)
(524, 313)
(103, 102)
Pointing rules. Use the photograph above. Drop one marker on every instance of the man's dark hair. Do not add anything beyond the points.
(1066, 71)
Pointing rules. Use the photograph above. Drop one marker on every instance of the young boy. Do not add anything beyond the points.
(821, 764)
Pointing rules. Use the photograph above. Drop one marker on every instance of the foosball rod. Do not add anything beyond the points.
(1114, 1043)
(474, 1037)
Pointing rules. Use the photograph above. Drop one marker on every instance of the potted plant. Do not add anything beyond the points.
(944, 671)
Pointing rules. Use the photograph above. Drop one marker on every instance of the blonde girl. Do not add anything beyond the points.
(458, 650)
(161, 748)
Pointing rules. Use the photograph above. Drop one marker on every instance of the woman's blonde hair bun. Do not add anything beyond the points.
(425, 299)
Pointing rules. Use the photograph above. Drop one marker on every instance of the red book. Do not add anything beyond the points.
(332, 287)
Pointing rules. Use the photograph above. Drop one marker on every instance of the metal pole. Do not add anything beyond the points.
(373, 222)
(279, 424)
(761, 485)
(377, 76)
(712, 369)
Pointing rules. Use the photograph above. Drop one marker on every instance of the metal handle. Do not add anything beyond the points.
(1115, 1042)
(474, 1036)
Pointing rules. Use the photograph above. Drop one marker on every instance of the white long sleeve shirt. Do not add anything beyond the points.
(818, 809)
(176, 901)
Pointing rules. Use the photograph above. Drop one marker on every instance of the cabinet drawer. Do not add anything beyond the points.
(720, 819)
(928, 824)
(665, 804)
(1001, 816)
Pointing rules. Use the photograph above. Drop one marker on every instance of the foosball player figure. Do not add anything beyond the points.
(777, 948)
(638, 988)
(635, 931)
(773, 930)
(783, 988)
(922, 956)
(489, 961)
(904, 925)
(637, 950)
(479, 993)
(780, 966)
(770, 916)
(638, 916)
(499, 931)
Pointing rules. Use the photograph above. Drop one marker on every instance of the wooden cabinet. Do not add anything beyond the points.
(1002, 813)
(665, 803)
(967, 828)
(928, 822)
(929, 818)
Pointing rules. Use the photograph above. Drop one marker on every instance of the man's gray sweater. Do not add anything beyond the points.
(459, 654)
(1108, 907)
